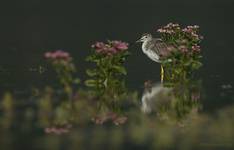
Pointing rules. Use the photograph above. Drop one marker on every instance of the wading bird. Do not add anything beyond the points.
(155, 48)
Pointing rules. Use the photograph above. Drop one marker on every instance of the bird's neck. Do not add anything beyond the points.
(149, 39)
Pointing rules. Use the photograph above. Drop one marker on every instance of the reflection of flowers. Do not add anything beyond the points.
(58, 130)
(195, 96)
(117, 120)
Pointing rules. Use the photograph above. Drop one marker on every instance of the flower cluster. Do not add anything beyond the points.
(192, 32)
(110, 48)
(169, 28)
(62, 63)
(185, 39)
(196, 48)
(183, 51)
(58, 55)
(107, 76)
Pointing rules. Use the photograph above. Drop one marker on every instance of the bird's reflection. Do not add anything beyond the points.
(154, 95)
(176, 101)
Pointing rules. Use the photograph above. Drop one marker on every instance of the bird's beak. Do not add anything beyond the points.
(138, 41)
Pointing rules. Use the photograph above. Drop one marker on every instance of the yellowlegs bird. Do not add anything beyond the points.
(154, 48)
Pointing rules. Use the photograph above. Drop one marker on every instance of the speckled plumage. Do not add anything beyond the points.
(154, 48)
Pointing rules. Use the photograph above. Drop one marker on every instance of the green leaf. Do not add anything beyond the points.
(91, 83)
(76, 81)
(92, 58)
(91, 73)
(120, 69)
(196, 65)
(89, 58)
(188, 63)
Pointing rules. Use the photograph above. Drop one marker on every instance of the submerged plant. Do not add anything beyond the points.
(184, 57)
(107, 76)
(64, 67)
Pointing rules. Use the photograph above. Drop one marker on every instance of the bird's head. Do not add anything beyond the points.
(145, 37)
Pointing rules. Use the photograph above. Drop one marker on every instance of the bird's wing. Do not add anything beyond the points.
(160, 47)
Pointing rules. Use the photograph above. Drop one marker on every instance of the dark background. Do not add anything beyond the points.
(28, 28)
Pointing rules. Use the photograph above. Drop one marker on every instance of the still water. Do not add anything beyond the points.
(30, 28)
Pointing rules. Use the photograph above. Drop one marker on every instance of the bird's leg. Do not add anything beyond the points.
(162, 74)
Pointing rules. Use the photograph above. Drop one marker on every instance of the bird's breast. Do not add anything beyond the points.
(151, 54)
(145, 47)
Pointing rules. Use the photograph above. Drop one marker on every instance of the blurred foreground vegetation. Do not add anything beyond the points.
(49, 122)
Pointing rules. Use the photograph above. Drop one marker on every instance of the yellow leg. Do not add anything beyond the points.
(162, 74)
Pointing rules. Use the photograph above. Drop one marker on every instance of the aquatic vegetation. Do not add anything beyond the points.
(64, 67)
(54, 113)
(110, 116)
(8, 107)
(58, 130)
(107, 78)
(109, 58)
(146, 131)
(187, 98)
(185, 55)
(172, 103)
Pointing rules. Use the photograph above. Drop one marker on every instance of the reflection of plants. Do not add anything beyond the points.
(174, 103)
(7, 111)
(64, 67)
(184, 100)
(144, 131)
(109, 58)
(187, 98)
(185, 53)
(56, 115)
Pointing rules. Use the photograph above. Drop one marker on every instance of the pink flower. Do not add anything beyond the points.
(187, 30)
(161, 30)
(98, 45)
(120, 45)
(169, 28)
(193, 27)
(170, 31)
(196, 48)
(48, 55)
(110, 48)
(59, 54)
